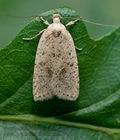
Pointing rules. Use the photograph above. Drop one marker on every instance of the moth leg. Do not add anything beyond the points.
(79, 49)
(45, 21)
(72, 22)
(31, 38)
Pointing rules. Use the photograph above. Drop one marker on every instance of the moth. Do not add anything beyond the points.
(56, 66)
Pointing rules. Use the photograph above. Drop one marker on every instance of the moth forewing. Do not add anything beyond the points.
(56, 69)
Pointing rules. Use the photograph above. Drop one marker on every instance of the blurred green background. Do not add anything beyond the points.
(103, 11)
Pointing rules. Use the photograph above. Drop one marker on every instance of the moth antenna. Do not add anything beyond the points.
(99, 24)
(56, 12)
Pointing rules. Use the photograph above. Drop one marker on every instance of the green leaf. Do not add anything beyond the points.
(36, 128)
(16, 69)
(94, 115)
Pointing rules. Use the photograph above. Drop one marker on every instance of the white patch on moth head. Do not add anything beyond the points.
(56, 18)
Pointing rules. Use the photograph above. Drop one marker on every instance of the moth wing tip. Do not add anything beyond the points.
(42, 98)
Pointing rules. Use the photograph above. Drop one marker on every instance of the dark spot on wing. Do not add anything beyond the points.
(71, 65)
(53, 54)
(50, 72)
(56, 33)
(43, 53)
(63, 71)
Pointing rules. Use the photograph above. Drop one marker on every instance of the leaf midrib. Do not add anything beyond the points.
(26, 119)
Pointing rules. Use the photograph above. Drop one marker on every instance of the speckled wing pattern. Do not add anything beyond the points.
(56, 70)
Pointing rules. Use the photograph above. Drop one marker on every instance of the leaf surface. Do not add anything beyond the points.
(94, 115)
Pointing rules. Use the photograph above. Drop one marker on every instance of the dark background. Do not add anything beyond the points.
(103, 11)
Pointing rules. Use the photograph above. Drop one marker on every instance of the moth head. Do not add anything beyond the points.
(56, 18)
